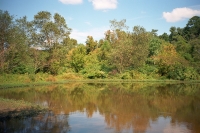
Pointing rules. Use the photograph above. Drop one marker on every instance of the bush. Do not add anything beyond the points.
(70, 75)
(134, 75)
(22, 69)
(179, 72)
(126, 75)
(149, 70)
(94, 74)
(191, 74)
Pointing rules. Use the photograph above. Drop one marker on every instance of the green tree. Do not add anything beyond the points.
(27, 29)
(167, 58)
(118, 38)
(181, 44)
(69, 43)
(15, 45)
(173, 34)
(196, 49)
(165, 37)
(154, 32)
(91, 45)
(192, 29)
(54, 35)
(140, 43)
(76, 57)
(6, 28)
(154, 46)
(39, 58)
(129, 50)
(50, 33)
(92, 66)
(17, 55)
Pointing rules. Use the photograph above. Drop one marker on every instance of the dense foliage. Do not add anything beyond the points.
(43, 45)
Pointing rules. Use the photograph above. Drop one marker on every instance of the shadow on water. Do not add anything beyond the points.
(111, 107)
(48, 122)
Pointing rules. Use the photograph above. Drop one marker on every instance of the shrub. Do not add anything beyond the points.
(179, 72)
(149, 70)
(94, 74)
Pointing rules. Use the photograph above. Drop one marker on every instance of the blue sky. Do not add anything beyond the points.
(91, 17)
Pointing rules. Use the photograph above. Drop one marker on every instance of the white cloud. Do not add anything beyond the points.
(179, 14)
(104, 4)
(73, 2)
(81, 36)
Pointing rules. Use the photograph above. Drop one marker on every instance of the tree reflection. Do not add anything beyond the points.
(124, 106)
(48, 122)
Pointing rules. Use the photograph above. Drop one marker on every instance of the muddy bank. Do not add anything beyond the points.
(10, 108)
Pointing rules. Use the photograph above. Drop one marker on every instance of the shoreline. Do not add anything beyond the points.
(15, 85)
(10, 108)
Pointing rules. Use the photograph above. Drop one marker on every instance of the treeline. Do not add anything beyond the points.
(43, 45)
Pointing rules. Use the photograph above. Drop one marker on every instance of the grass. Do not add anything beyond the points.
(10, 108)
(26, 80)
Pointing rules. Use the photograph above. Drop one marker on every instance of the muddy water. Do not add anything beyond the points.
(109, 108)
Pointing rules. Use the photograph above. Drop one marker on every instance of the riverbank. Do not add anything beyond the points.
(46, 83)
(10, 108)
(41, 79)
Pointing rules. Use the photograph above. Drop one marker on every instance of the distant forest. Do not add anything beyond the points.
(43, 45)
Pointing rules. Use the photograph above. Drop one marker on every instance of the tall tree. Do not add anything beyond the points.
(6, 28)
(50, 32)
(91, 45)
(128, 49)
(120, 52)
(140, 44)
(192, 29)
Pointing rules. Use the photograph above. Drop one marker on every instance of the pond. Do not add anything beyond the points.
(109, 108)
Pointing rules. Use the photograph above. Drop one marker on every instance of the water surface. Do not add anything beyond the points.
(109, 108)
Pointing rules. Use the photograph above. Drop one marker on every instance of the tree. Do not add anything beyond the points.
(140, 44)
(196, 49)
(69, 43)
(27, 29)
(168, 55)
(120, 55)
(177, 39)
(54, 36)
(14, 45)
(129, 50)
(119, 40)
(62, 31)
(154, 32)
(92, 66)
(91, 45)
(76, 58)
(165, 37)
(167, 58)
(17, 56)
(192, 29)
(39, 58)
(6, 28)
(173, 34)
(118, 25)
(104, 50)
(50, 32)
(154, 46)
